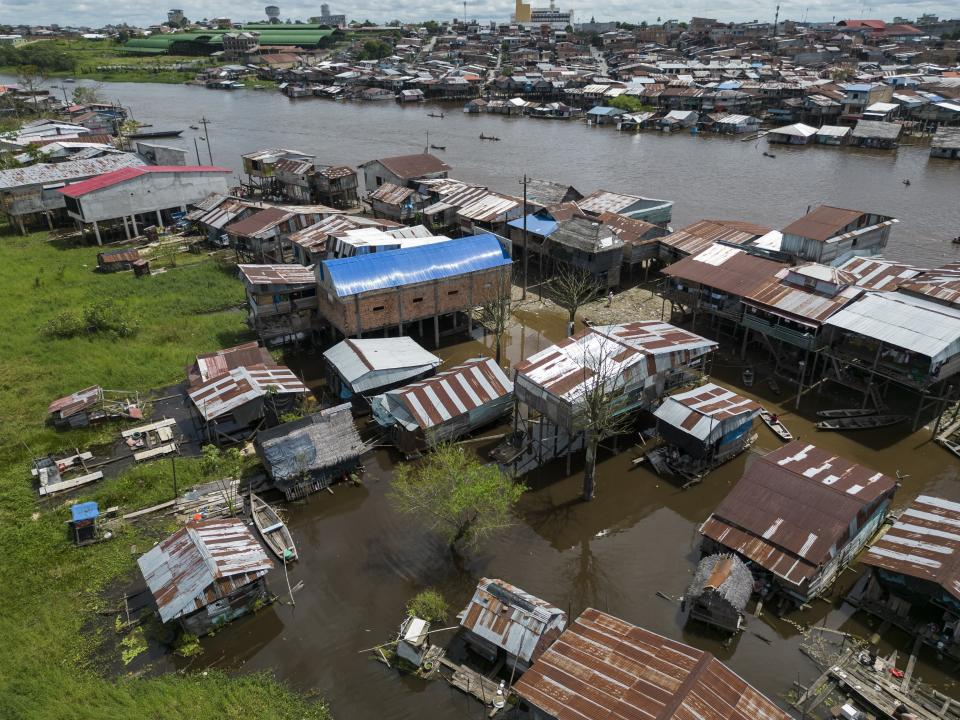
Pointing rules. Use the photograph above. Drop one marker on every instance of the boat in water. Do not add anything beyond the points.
(489, 137)
(748, 377)
(867, 422)
(777, 427)
(154, 134)
(846, 413)
(272, 529)
(438, 147)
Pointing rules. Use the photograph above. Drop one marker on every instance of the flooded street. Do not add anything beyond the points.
(360, 562)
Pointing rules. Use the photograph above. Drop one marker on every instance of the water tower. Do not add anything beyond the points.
(273, 13)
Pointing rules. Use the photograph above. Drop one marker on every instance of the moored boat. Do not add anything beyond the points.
(272, 529)
(777, 427)
(748, 377)
(846, 413)
(867, 422)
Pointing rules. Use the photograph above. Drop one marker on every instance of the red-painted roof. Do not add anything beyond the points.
(123, 174)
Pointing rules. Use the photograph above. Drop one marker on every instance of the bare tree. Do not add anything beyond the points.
(31, 80)
(599, 411)
(495, 314)
(573, 287)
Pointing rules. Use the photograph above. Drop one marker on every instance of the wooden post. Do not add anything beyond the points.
(23, 230)
(126, 228)
(159, 220)
(96, 231)
(873, 370)
(399, 312)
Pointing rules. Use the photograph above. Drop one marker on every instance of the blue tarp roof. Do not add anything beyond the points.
(84, 511)
(536, 225)
(601, 110)
(363, 273)
(730, 85)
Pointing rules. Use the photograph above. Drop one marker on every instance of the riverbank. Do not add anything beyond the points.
(51, 592)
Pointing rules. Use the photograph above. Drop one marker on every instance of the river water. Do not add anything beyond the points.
(360, 561)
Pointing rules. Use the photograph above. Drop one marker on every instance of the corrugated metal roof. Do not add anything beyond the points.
(222, 395)
(215, 364)
(492, 207)
(75, 402)
(520, 623)
(42, 173)
(626, 354)
(277, 274)
(311, 444)
(705, 412)
(877, 129)
(822, 223)
(792, 509)
(124, 174)
(376, 362)
(602, 667)
(798, 303)
(350, 276)
(392, 194)
(924, 543)
(412, 166)
(201, 563)
(725, 268)
(879, 274)
(912, 324)
(701, 234)
(453, 392)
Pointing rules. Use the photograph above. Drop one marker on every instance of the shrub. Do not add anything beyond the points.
(429, 605)
(104, 317)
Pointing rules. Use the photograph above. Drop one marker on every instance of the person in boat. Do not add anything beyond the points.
(773, 418)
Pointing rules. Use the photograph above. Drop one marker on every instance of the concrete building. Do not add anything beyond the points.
(141, 195)
(240, 46)
(334, 21)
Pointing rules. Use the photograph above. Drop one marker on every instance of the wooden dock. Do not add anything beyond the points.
(471, 682)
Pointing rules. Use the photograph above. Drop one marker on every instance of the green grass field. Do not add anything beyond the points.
(49, 590)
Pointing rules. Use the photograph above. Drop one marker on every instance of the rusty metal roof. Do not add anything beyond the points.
(337, 171)
(224, 212)
(512, 619)
(799, 304)
(878, 274)
(68, 171)
(792, 509)
(201, 563)
(215, 364)
(706, 412)
(392, 194)
(453, 392)
(603, 668)
(823, 223)
(289, 274)
(701, 234)
(940, 284)
(490, 208)
(725, 268)
(412, 166)
(259, 221)
(626, 354)
(630, 231)
(222, 395)
(115, 256)
(314, 237)
(75, 402)
(924, 543)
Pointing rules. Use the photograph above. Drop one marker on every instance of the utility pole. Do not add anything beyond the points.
(173, 464)
(197, 148)
(525, 256)
(776, 21)
(206, 135)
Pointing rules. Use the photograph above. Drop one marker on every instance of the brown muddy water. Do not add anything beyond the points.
(360, 561)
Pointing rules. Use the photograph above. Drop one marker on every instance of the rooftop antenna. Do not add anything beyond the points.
(776, 20)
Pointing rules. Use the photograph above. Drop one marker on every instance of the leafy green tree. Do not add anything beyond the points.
(429, 605)
(627, 103)
(455, 495)
(83, 95)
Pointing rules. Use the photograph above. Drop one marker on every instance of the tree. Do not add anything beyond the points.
(627, 103)
(495, 314)
(599, 412)
(87, 95)
(573, 287)
(31, 78)
(429, 605)
(456, 496)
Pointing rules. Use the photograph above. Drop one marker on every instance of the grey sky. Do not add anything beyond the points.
(143, 12)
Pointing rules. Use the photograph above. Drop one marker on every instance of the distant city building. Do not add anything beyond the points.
(326, 18)
(522, 12)
(15, 40)
(240, 45)
(273, 13)
(175, 15)
(556, 19)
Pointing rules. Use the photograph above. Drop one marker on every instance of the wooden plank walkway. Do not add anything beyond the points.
(471, 682)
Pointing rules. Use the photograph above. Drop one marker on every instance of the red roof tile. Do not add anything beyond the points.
(123, 174)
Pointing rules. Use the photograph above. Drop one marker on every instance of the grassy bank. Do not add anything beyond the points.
(50, 592)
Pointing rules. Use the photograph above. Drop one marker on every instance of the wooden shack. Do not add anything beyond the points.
(311, 453)
(207, 574)
(116, 260)
(362, 368)
(445, 407)
(281, 302)
(719, 592)
(708, 423)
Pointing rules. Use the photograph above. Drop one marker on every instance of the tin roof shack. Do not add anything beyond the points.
(310, 454)
(336, 186)
(261, 168)
(445, 407)
(639, 238)
(636, 363)
(656, 212)
(396, 202)
(895, 336)
(218, 363)
(708, 423)
(315, 243)
(719, 592)
(589, 245)
(403, 170)
(207, 574)
(117, 260)
(799, 515)
(830, 235)
(603, 667)
(264, 235)
(31, 193)
(796, 134)
(502, 619)
(715, 281)
(876, 134)
(146, 194)
(215, 212)
(281, 302)
(702, 234)
(946, 143)
(231, 403)
(365, 367)
(388, 290)
(915, 573)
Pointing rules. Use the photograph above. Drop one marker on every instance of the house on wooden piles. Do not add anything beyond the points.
(445, 407)
(502, 620)
(207, 574)
(316, 242)
(946, 143)
(264, 235)
(798, 516)
(639, 239)
(397, 202)
(697, 237)
(132, 197)
(403, 170)
(281, 302)
(602, 667)
(704, 427)
(302, 181)
(656, 212)
(830, 235)
(876, 134)
(261, 167)
(230, 404)
(220, 362)
(914, 574)
(714, 282)
(210, 215)
(634, 364)
(719, 592)
(588, 245)
(363, 368)
(796, 134)
(366, 294)
(312, 453)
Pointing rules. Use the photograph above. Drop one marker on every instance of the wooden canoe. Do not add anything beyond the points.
(777, 427)
(846, 413)
(860, 423)
(748, 378)
(272, 529)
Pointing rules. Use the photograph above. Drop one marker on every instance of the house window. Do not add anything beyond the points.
(378, 308)
(453, 292)
(379, 181)
(418, 300)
